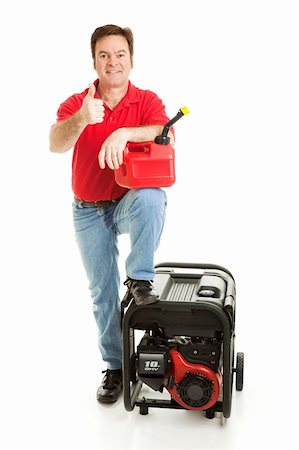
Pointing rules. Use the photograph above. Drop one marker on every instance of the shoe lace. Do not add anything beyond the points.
(129, 282)
(111, 378)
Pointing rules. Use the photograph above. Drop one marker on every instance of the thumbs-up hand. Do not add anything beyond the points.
(92, 109)
(91, 90)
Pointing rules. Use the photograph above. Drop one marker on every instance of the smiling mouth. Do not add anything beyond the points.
(113, 71)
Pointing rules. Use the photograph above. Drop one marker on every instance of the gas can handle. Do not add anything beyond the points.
(138, 147)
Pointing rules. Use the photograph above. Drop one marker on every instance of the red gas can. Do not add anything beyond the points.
(145, 165)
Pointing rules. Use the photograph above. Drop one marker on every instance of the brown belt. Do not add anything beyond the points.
(97, 203)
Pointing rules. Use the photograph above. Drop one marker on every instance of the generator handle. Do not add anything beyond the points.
(178, 265)
(229, 300)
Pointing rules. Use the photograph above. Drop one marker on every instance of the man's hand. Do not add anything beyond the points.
(92, 109)
(112, 149)
(115, 144)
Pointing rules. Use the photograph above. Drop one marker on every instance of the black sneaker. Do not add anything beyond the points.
(110, 387)
(142, 291)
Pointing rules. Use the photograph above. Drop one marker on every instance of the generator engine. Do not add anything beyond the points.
(188, 367)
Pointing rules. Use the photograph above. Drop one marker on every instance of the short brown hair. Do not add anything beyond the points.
(108, 30)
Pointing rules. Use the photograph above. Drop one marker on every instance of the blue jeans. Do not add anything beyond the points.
(141, 214)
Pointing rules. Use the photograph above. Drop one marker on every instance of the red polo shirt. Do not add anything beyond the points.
(138, 107)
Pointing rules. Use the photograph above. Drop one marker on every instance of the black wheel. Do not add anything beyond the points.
(240, 371)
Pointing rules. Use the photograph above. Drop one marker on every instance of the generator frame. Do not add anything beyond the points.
(186, 315)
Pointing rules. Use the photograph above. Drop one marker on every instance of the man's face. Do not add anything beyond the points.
(112, 60)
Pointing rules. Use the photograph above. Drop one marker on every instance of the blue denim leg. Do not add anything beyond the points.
(141, 213)
(97, 243)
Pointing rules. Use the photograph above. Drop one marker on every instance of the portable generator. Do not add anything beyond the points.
(186, 346)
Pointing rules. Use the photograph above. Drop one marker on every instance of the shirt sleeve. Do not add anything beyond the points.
(69, 107)
(154, 111)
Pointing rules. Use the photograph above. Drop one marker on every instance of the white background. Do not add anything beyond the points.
(235, 203)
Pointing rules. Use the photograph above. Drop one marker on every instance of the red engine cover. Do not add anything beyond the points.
(194, 386)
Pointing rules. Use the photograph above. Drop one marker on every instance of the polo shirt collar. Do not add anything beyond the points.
(132, 96)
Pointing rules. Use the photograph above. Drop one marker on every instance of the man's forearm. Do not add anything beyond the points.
(112, 148)
(146, 133)
(64, 134)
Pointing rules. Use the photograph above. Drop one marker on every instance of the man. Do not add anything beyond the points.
(98, 123)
